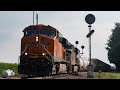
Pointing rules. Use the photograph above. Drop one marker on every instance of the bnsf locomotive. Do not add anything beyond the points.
(44, 51)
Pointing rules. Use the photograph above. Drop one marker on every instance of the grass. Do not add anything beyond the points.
(5, 66)
(107, 75)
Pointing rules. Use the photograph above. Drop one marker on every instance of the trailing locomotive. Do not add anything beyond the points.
(44, 51)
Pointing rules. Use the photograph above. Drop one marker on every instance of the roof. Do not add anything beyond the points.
(99, 60)
(38, 27)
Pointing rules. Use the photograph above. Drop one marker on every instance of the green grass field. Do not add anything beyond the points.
(107, 75)
(5, 66)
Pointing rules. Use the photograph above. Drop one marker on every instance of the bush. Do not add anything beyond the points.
(5, 66)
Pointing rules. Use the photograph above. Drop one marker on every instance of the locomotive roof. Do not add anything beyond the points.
(38, 27)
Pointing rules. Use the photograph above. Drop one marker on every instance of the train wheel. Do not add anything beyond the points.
(72, 68)
(30, 76)
(57, 68)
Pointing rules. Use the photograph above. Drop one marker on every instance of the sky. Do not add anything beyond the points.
(71, 24)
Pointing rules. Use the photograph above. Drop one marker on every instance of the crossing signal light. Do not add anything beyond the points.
(90, 33)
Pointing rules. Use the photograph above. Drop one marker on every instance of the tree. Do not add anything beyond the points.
(113, 46)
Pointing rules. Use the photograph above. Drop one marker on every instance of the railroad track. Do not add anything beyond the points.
(81, 75)
(53, 76)
(60, 76)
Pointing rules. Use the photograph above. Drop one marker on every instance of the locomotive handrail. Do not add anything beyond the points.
(22, 53)
(48, 52)
(25, 49)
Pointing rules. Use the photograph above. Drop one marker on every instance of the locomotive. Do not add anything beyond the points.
(44, 51)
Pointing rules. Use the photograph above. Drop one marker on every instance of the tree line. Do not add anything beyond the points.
(113, 46)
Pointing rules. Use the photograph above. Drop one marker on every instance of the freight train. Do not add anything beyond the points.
(44, 51)
(100, 65)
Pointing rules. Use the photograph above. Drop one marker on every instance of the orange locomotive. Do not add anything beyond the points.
(44, 51)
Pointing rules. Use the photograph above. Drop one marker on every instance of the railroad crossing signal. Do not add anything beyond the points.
(90, 33)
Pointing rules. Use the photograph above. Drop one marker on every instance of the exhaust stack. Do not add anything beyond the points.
(36, 18)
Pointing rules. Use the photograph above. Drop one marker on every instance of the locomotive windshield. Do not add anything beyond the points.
(30, 32)
(49, 33)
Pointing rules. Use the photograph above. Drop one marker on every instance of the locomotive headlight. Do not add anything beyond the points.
(36, 38)
(43, 54)
(25, 53)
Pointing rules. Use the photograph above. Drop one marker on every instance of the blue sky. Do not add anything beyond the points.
(70, 23)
